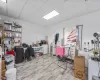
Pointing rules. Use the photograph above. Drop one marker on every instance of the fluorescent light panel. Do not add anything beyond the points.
(4, 1)
(51, 15)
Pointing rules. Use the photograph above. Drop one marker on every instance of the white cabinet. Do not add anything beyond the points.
(11, 74)
(45, 49)
(93, 68)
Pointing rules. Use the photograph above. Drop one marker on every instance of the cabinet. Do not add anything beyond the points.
(45, 49)
(93, 68)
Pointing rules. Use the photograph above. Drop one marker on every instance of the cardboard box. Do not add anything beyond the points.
(79, 67)
(0, 68)
(79, 63)
(79, 74)
(3, 73)
(3, 65)
(3, 69)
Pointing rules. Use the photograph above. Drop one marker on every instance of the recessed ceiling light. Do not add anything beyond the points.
(51, 15)
(4, 1)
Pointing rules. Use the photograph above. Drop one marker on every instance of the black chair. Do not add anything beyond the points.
(29, 52)
(19, 55)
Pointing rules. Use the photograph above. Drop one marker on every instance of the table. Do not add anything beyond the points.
(38, 49)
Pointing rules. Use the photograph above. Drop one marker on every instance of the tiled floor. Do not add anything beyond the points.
(44, 68)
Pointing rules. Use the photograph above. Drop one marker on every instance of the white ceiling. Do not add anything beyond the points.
(34, 10)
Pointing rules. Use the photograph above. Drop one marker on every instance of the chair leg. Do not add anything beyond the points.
(65, 68)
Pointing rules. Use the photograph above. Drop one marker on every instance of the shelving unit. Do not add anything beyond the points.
(10, 34)
(13, 32)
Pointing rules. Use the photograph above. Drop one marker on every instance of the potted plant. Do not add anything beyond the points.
(95, 52)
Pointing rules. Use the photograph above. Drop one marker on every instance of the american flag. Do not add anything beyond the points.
(72, 36)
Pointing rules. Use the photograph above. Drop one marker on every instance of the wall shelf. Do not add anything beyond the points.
(7, 30)
(8, 37)
(8, 23)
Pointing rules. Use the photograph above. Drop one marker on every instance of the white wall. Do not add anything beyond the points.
(30, 32)
(91, 24)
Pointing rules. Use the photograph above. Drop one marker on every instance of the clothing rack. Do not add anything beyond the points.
(66, 60)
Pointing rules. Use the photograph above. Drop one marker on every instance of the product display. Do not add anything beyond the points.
(7, 26)
(12, 33)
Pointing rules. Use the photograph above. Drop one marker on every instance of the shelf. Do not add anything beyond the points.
(8, 37)
(13, 31)
(7, 30)
(16, 26)
(17, 31)
(17, 37)
(12, 37)
(8, 23)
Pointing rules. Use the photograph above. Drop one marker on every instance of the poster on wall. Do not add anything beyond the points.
(71, 43)
(72, 36)
(74, 39)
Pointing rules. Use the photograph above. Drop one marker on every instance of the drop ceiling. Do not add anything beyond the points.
(34, 10)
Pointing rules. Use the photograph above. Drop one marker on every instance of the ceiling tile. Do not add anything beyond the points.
(93, 5)
(31, 8)
(15, 7)
(34, 10)
(3, 8)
